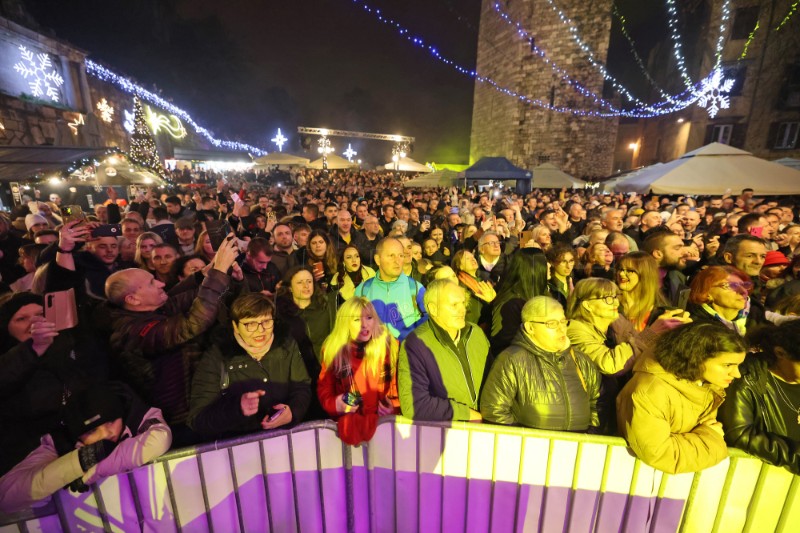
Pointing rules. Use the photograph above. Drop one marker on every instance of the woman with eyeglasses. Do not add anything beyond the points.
(609, 340)
(640, 297)
(722, 294)
(540, 380)
(252, 377)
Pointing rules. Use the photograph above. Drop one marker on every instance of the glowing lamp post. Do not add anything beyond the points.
(325, 148)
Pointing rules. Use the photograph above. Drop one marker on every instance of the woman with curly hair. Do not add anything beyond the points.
(668, 411)
(358, 380)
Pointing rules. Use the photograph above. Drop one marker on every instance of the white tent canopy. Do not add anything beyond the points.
(714, 169)
(789, 162)
(335, 162)
(440, 178)
(549, 176)
(406, 164)
(281, 158)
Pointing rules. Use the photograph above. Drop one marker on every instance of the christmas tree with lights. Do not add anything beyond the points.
(143, 147)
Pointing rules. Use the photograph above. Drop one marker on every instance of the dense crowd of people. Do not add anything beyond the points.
(179, 317)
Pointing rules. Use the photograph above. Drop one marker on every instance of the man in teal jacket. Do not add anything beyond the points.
(398, 299)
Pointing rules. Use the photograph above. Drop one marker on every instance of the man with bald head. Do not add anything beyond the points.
(398, 298)
(156, 338)
(344, 234)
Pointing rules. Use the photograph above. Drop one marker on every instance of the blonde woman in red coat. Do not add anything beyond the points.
(358, 380)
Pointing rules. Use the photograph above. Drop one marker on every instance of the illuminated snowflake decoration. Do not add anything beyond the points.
(44, 79)
(106, 111)
(280, 140)
(712, 93)
(128, 123)
(349, 153)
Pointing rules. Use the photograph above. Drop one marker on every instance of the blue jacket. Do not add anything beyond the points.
(398, 303)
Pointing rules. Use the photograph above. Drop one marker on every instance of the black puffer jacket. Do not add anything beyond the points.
(226, 372)
(539, 389)
(752, 419)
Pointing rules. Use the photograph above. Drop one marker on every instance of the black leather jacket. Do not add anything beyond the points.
(534, 388)
(752, 419)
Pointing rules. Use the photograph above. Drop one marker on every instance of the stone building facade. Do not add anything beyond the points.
(764, 113)
(529, 134)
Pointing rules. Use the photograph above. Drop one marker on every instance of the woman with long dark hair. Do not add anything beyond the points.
(320, 255)
(524, 277)
(350, 273)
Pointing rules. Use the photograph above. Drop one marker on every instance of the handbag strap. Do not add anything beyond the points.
(578, 368)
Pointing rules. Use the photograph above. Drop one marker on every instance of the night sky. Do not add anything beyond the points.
(244, 68)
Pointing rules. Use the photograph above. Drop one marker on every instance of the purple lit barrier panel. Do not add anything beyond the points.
(424, 477)
(476, 477)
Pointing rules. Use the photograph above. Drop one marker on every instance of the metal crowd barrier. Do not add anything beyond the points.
(424, 477)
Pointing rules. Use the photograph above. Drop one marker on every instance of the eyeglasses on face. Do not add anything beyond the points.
(552, 324)
(253, 326)
(736, 285)
(610, 299)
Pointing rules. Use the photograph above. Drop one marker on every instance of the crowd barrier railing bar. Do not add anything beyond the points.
(423, 476)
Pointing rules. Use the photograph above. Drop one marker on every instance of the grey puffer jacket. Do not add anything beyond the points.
(531, 387)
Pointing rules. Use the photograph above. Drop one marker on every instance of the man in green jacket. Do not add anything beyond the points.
(442, 363)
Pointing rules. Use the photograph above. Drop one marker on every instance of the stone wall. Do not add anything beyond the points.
(527, 134)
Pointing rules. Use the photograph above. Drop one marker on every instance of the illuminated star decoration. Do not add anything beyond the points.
(711, 94)
(171, 124)
(75, 124)
(349, 153)
(128, 123)
(45, 80)
(280, 140)
(106, 111)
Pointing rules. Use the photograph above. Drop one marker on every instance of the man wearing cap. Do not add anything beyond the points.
(185, 231)
(108, 430)
(92, 265)
(34, 223)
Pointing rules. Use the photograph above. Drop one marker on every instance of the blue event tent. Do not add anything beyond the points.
(499, 168)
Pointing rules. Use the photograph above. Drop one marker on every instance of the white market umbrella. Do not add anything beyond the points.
(714, 169)
(282, 159)
(335, 162)
(549, 176)
(789, 162)
(440, 178)
(406, 164)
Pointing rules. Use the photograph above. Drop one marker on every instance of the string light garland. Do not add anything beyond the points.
(573, 31)
(649, 111)
(106, 75)
(788, 16)
(748, 42)
(637, 57)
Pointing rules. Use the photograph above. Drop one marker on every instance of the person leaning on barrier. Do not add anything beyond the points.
(668, 411)
(107, 430)
(442, 362)
(155, 336)
(761, 413)
(540, 381)
(253, 376)
(358, 380)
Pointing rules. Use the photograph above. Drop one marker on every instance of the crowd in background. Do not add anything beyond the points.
(238, 305)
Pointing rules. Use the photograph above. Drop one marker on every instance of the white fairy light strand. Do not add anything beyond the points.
(104, 74)
(650, 111)
(590, 56)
